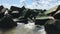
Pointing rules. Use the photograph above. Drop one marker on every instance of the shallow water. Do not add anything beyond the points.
(25, 29)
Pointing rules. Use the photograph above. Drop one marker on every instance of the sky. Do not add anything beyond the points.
(32, 4)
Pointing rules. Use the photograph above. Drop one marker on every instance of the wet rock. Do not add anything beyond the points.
(6, 22)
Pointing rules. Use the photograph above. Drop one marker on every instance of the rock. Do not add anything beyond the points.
(6, 22)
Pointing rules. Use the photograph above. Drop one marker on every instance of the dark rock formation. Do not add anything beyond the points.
(1, 7)
(57, 16)
(6, 22)
(23, 20)
(16, 9)
(41, 21)
(52, 13)
(1, 13)
(53, 28)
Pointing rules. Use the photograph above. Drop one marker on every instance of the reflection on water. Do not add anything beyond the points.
(25, 29)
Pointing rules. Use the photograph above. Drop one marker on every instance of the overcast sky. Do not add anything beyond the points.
(43, 4)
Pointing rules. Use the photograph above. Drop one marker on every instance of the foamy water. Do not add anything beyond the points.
(25, 29)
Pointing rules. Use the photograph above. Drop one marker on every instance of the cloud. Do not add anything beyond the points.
(59, 2)
(22, 0)
(6, 5)
(9, 3)
(35, 4)
(43, 4)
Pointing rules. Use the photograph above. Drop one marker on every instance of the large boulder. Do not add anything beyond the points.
(6, 22)
(16, 11)
(53, 28)
(1, 12)
(22, 20)
(44, 20)
(1, 7)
